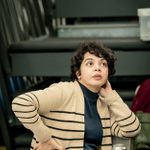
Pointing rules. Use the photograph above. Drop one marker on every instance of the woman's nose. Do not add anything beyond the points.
(97, 67)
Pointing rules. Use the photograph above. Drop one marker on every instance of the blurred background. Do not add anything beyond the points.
(38, 37)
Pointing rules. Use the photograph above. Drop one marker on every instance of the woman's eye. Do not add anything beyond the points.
(104, 64)
(90, 63)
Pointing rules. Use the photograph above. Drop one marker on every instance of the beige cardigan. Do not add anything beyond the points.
(58, 112)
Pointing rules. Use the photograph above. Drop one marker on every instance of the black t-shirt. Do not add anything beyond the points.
(93, 126)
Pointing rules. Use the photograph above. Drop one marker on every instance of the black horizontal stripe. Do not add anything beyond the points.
(123, 125)
(69, 121)
(68, 130)
(113, 124)
(30, 122)
(35, 97)
(133, 129)
(28, 111)
(106, 136)
(116, 128)
(105, 118)
(74, 147)
(109, 144)
(120, 121)
(68, 139)
(67, 112)
(35, 140)
(14, 103)
(118, 132)
(125, 118)
(106, 127)
(27, 94)
(29, 117)
(125, 130)
(129, 123)
(22, 98)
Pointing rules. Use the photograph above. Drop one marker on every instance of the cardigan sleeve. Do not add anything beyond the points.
(28, 107)
(124, 122)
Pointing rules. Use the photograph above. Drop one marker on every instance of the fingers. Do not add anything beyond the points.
(106, 89)
(49, 145)
(108, 84)
(56, 145)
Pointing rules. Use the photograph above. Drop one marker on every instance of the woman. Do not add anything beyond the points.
(81, 114)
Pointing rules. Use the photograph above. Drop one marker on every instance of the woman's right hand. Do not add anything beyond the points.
(106, 89)
(49, 145)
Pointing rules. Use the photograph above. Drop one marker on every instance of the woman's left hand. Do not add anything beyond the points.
(49, 145)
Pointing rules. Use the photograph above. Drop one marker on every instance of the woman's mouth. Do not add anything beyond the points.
(97, 77)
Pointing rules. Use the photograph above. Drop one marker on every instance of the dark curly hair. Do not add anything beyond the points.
(96, 48)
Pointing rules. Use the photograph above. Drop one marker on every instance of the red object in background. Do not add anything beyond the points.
(141, 101)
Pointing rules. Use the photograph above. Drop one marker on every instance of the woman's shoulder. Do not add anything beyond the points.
(66, 85)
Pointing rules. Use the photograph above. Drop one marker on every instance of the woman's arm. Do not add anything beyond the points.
(124, 123)
(28, 107)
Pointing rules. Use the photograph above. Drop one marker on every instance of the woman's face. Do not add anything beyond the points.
(93, 72)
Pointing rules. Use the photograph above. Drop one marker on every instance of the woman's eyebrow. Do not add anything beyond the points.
(89, 58)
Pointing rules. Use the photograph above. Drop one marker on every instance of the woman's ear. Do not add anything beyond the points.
(78, 74)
